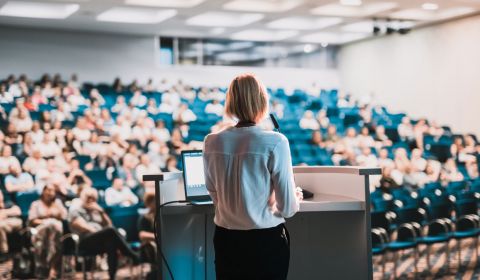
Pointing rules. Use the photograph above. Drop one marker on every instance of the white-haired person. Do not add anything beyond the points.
(249, 176)
(97, 236)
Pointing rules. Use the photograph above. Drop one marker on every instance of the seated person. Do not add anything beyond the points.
(317, 139)
(7, 159)
(97, 236)
(119, 194)
(183, 114)
(18, 181)
(308, 121)
(214, 108)
(46, 215)
(35, 162)
(146, 167)
(10, 221)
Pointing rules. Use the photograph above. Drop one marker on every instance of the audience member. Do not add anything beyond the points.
(46, 215)
(119, 194)
(308, 121)
(10, 221)
(97, 236)
(18, 181)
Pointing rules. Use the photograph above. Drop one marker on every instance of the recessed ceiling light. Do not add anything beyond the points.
(136, 15)
(304, 23)
(308, 48)
(262, 6)
(223, 19)
(217, 30)
(351, 2)
(339, 10)
(263, 35)
(336, 38)
(38, 10)
(165, 3)
(430, 6)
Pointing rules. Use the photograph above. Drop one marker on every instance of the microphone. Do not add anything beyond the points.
(275, 123)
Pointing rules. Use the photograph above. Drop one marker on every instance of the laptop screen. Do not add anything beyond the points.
(193, 174)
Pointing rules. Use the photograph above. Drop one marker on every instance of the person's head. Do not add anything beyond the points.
(121, 99)
(416, 153)
(117, 183)
(149, 200)
(332, 130)
(160, 124)
(400, 153)
(380, 130)
(48, 194)
(365, 131)
(89, 196)
(406, 120)
(145, 159)
(74, 164)
(246, 99)
(152, 102)
(366, 151)
(14, 170)
(316, 137)
(36, 153)
(383, 154)
(308, 114)
(7, 151)
(351, 132)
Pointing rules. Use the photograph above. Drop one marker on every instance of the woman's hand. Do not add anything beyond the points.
(299, 193)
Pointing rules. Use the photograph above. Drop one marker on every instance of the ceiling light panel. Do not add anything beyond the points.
(223, 19)
(424, 15)
(136, 15)
(351, 2)
(38, 10)
(304, 23)
(165, 3)
(263, 35)
(333, 37)
(262, 6)
(338, 10)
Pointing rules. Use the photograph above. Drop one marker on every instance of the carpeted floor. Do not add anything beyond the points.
(438, 264)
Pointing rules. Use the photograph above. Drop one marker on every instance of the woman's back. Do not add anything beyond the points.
(249, 176)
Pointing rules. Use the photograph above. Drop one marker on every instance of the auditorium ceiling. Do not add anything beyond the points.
(308, 21)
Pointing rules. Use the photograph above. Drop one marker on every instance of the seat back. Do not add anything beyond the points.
(125, 218)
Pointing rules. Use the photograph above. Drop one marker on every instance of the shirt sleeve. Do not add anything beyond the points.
(208, 180)
(282, 180)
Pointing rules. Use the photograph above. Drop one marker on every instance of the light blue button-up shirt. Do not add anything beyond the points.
(249, 175)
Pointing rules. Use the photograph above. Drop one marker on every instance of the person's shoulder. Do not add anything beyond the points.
(273, 136)
(218, 134)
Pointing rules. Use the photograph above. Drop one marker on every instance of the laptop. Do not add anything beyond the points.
(194, 178)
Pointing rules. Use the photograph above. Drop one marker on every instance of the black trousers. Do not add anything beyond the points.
(108, 241)
(252, 254)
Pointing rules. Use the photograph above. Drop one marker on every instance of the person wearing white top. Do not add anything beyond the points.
(214, 108)
(183, 114)
(309, 122)
(138, 99)
(119, 194)
(249, 175)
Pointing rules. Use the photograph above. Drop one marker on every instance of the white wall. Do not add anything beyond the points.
(101, 57)
(432, 72)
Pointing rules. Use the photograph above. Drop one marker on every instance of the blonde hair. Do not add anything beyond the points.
(247, 99)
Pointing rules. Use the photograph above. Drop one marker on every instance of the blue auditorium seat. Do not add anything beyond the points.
(99, 178)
